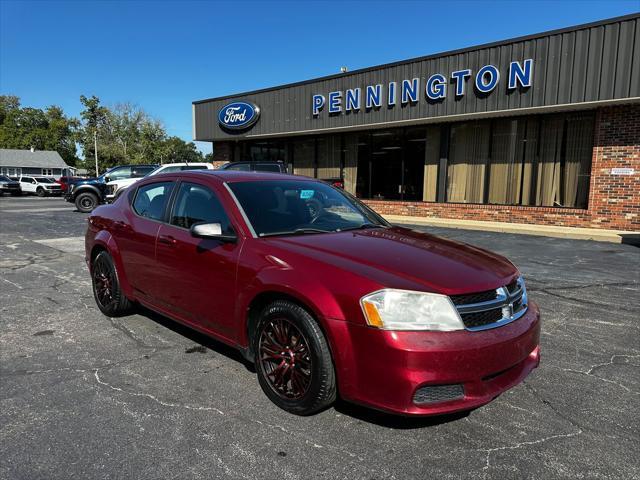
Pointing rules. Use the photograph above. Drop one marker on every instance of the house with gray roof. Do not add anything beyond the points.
(45, 163)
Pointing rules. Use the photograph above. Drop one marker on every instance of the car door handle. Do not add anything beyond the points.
(167, 240)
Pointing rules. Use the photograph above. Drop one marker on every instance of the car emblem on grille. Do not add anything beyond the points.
(507, 309)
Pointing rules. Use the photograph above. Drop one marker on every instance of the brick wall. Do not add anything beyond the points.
(614, 200)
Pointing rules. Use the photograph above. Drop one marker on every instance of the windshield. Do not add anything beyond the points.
(4, 179)
(290, 207)
(44, 180)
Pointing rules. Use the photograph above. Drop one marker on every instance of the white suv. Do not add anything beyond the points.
(41, 186)
(116, 187)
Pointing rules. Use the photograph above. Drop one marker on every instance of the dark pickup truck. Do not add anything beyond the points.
(8, 185)
(87, 194)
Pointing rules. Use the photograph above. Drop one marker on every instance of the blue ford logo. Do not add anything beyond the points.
(238, 115)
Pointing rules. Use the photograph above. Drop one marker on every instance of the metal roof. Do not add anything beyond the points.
(27, 158)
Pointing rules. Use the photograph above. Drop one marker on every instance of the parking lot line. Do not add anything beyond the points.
(65, 244)
(34, 210)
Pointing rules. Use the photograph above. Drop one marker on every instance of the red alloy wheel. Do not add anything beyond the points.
(103, 281)
(285, 358)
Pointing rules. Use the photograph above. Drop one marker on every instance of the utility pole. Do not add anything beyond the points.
(95, 148)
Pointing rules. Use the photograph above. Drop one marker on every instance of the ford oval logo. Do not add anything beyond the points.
(238, 115)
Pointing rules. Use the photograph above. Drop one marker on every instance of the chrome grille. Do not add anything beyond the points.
(493, 308)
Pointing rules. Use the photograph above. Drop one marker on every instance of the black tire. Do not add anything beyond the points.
(40, 192)
(311, 383)
(106, 287)
(86, 202)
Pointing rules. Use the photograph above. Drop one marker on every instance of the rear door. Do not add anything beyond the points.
(197, 277)
(28, 184)
(136, 236)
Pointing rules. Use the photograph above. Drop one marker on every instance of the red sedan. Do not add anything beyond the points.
(318, 290)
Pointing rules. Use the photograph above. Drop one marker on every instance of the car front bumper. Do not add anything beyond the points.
(384, 369)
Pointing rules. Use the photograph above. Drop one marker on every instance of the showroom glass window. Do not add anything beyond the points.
(536, 160)
(539, 160)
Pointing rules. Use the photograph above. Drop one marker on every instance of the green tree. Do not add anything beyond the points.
(50, 129)
(94, 119)
(176, 150)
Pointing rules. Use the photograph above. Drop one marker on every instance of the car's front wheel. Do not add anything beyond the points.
(40, 192)
(292, 359)
(106, 287)
(86, 202)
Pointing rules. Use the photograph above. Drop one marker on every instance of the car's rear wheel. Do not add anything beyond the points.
(106, 287)
(86, 202)
(292, 359)
(40, 192)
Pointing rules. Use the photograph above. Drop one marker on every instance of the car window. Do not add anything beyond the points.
(194, 167)
(198, 204)
(280, 207)
(137, 172)
(245, 167)
(151, 200)
(266, 167)
(119, 173)
(170, 169)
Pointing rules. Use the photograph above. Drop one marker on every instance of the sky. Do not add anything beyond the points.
(162, 55)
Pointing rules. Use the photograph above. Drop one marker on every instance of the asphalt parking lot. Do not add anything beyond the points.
(85, 396)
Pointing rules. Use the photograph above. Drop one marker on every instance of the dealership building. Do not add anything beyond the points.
(542, 129)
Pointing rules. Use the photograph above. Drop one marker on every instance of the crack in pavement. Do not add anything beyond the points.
(489, 451)
(590, 373)
(155, 399)
(611, 362)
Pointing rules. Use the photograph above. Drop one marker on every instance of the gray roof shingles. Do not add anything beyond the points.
(27, 158)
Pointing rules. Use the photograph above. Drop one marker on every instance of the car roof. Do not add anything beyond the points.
(180, 164)
(234, 175)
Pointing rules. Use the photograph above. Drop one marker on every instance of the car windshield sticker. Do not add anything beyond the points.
(305, 194)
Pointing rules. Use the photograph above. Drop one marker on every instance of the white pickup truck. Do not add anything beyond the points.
(116, 187)
(41, 186)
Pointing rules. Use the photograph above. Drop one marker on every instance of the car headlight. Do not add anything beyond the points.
(391, 309)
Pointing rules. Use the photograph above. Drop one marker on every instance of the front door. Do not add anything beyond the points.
(197, 277)
(136, 236)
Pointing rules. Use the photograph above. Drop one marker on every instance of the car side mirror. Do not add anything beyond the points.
(213, 231)
(107, 179)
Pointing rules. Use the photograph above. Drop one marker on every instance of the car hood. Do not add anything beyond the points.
(124, 181)
(402, 258)
(86, 181)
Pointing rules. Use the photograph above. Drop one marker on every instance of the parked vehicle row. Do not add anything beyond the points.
(116, 187)
(35, 185)
(9, 186)
(319, 291)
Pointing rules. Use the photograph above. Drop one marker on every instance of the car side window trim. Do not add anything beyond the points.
(241, 210)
